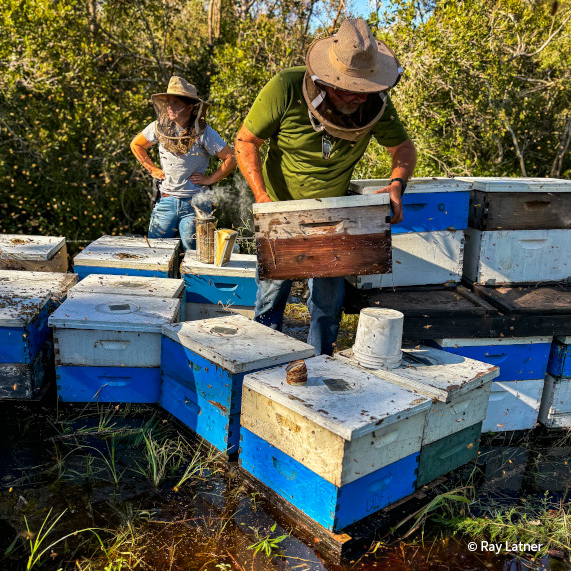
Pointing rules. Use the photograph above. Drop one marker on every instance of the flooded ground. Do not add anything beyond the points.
(119, 488)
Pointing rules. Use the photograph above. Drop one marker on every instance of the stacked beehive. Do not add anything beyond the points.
(129, 256)
(26, 345)
(33, 253)
(215, 291)
(428, 245)
(203, 364)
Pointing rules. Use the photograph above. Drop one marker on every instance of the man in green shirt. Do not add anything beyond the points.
(319, 120)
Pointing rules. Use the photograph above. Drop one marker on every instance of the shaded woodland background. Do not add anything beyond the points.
(486, 91)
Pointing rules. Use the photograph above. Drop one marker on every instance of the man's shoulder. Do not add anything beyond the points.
(292, 74)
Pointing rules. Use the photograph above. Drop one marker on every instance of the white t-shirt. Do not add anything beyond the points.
(178, 167)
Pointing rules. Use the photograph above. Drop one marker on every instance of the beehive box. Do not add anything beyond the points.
(128, 256)
(198, 311)
(429, 204)
(338, 449)
(519, 358)
(24, 354)
(25, 284)
(505, 203)
(559, 364)
(232, 284)
(458, 386)
(108, 347)
(324, 237)
(514, 405)
(495, 257)
(203, 366)
(33, 253)
(555, 408)
(421, 258)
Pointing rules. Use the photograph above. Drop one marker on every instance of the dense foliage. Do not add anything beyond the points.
(486, 91)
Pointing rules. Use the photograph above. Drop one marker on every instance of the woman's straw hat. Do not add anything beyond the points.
(180, 87)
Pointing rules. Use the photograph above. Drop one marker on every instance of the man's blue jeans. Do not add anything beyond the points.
(325, 305)
(171, 215)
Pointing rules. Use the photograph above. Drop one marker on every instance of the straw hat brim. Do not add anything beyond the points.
(161, 96)
(382, 77)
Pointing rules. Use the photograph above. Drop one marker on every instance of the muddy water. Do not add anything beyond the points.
(215, 523)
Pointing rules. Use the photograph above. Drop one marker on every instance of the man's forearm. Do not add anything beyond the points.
(403, 160)
(250, 164)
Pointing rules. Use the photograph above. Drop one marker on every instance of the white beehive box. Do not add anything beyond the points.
(495, 257)
(126, 255)
(33, 253)
(421, 258)
(555, 409)
(129, 285)
(343, 425)
(100, 330)
(516, 184)
(459, 386)
(36, 284)
(514, 405)
(197, 311)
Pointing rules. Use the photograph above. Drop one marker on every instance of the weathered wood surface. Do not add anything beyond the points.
(20, 311)
(29, 248)
(57, 263)
(503, 184)
(555, 409)
(520, 210)
(323, 238)
(533, 300)
(240, 265)
(129, 285)
(198, 311)
(414, 185)
(36, 284)
(238, 344)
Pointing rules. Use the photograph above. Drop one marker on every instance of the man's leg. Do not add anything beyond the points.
(271, 300)
(164, 219)
(325, 306)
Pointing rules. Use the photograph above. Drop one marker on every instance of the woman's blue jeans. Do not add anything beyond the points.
(325, 306)
(174, 215)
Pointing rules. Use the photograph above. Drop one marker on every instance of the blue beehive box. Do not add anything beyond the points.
(128, 256)
(24, 334)
(203, 364)
(232, 284)
(429, 204)
(339, 448)
(108, 347)
(560, 357)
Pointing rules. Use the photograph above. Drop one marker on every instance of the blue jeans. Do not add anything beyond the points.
(171, 215)
(325, 305)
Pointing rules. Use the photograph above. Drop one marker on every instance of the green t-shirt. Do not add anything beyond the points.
(294, 167)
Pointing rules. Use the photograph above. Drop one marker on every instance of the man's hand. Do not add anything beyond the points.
(395, 194)
(263, 198)
(157, 173)
(199, 178)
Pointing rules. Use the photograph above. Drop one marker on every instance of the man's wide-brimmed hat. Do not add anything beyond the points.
(180, 87)
(353, 60)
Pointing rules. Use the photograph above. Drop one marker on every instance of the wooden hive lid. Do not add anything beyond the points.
(435, 373)
(518, 184)
(32, 248)
(566, 340)
(240, 265)
(35, 284)
(129, 285)
(20, 311)
(414, 185)
(115, 312)
(344, 399)
(118, 252)
(238, 344)
(485, 341)
(321, 203)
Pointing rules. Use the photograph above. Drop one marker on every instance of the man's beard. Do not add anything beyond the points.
(348, 109)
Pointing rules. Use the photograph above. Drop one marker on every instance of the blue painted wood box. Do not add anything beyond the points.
(128, 256)
(339, 448)
(519, 358)
(560, 357)
(429, 204)
(203, 364)
(234, 283)
(108, 347)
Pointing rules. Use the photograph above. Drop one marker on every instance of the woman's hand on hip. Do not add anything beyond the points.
(157, 173)
(199, 178)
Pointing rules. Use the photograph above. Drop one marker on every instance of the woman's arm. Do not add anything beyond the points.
(139, 145)
(226, 155)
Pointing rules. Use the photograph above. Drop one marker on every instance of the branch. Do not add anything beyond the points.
(341, 4)
(563, 148)
(517, 149)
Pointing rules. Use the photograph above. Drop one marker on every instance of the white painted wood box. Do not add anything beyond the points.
(514, 405)
(555, 409)
(27, 284)
(421, 258)
(203, 365)
(344, 424)
(459, 386)
(516, 184)
(33, 253)
(497, 257)
(323, 237)
(197, 311)
(127, 255)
